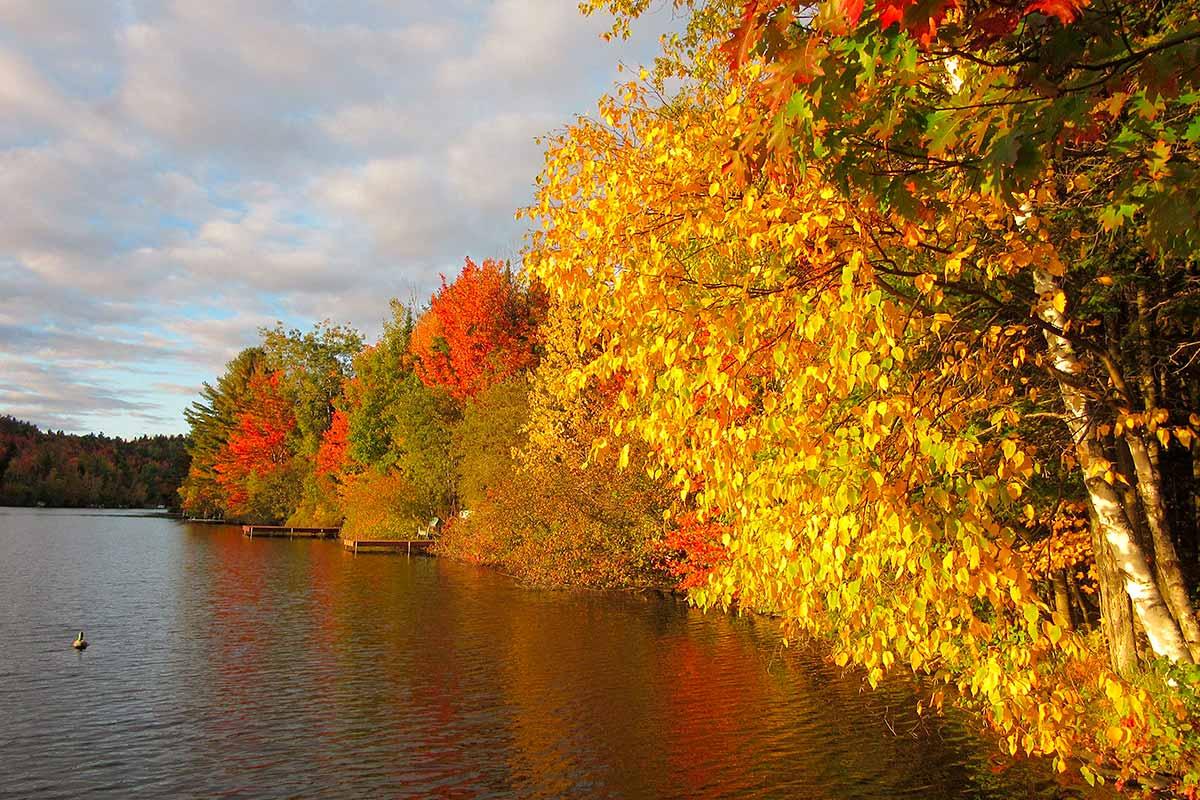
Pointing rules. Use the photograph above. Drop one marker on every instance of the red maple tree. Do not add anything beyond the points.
(478, 330)
(331, 456)
(258, 446)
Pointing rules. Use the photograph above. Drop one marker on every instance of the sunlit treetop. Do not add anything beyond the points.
(479, 329)
(899, 98)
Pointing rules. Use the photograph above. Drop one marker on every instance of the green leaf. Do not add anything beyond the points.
(1192, 134)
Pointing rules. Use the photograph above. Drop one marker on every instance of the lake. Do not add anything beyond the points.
(221, 665)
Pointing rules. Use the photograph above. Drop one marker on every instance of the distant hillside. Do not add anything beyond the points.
(65, 470)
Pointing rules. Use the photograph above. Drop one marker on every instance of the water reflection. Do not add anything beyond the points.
(224, 665)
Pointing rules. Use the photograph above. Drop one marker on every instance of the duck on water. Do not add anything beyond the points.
(80, 643)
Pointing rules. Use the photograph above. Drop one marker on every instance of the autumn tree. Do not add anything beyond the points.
(478, 330)
(311, 366)
(486, 440)
(842, 380)
(255, 467)
(211, 420)
(396, 440)
(544, 507)
(1075, 124)
(335, 442)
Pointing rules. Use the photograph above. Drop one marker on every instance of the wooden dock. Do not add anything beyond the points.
(289, 532)
(405, 546)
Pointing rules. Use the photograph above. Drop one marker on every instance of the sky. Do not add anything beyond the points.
(176, 174)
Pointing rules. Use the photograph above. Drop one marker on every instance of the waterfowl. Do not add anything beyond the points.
(80, 643)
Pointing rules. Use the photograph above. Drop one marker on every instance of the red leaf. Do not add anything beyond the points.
(748, 33)
(1065, 11)
(851, 10)
(891, 12)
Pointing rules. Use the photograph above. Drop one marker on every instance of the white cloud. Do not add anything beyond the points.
(401, 201)
(179, 173)
(378, 126)
(523, 40)
(494, 162)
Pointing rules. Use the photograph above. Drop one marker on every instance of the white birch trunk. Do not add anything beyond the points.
(1166, 559)
(1161, 628)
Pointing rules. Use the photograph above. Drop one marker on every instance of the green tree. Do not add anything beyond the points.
(314, 364)
(211, 420)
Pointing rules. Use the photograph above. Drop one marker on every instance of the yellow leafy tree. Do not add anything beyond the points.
(795, 362)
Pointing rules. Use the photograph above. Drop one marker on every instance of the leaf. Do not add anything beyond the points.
(891, 12)
(1065, 11)
(1115, 735)
(851, 10)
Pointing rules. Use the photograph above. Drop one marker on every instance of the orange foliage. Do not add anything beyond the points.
(1068, 547)
(258, 446)
(478, 331)
(379, 505)
(693, 550)
(331, 456)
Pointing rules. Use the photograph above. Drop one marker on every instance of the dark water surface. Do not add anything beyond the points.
(224, 666)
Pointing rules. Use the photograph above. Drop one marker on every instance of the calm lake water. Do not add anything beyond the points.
(225, 666)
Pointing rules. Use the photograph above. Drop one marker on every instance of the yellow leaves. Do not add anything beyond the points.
(1115, 735)
(1185, 436)
(834, 427)
(952, 267)
(1059, 302)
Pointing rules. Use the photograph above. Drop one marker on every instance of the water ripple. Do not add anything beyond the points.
(228, 667)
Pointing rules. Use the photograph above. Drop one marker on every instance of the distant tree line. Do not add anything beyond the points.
(71, 471)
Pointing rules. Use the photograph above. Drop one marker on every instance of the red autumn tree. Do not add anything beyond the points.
(331, 456)
(693, 549)
(258, 447)
(478, 330)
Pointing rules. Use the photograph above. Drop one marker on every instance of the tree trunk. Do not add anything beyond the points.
(1062, 597)
(1195, 448)
(1161, 628)
(1084, 616)
(1146, 381)
(1166, 561)
(1116, 612)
